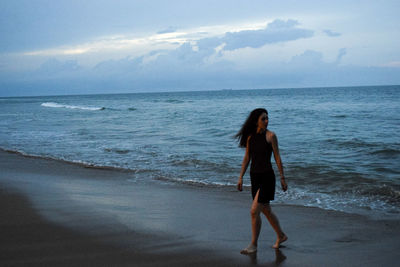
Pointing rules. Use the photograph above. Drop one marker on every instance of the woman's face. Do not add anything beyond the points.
(263, 121)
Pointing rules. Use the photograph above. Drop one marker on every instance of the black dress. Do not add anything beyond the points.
(261, 173)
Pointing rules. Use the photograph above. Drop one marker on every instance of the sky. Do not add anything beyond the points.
(119, 46)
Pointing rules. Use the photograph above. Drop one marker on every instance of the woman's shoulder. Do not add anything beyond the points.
(270, 135)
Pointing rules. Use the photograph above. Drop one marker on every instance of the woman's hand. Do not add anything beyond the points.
(240, 184)
(283, 184)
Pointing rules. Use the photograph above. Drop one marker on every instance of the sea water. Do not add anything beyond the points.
(340, 146)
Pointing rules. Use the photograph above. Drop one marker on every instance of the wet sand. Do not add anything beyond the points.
(60, 214)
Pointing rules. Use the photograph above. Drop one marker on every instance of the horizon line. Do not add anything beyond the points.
(205, 90)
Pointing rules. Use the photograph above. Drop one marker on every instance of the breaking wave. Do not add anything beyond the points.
(57, 105)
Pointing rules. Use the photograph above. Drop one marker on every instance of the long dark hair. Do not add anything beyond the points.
(249, 127)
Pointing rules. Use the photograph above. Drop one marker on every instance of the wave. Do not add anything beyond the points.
(339, 116)
(373, 148)
(383, 200)
(117, 150)
(202, 164)
(74, 162)
(57, 105)
(194, 182)
(352, 143)
(174, 101)
(349, 202)
(119, 109)
(169, 101)
(389, 152)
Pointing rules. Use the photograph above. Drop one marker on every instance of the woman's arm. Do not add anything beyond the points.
(274, 142)
(245, 164)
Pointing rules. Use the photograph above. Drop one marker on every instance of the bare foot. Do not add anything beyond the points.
(249, 250)
(280, 240)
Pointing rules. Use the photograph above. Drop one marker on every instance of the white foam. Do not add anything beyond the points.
(57, 105)
(344, 202)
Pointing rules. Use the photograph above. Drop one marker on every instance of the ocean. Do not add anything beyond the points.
(340, 146)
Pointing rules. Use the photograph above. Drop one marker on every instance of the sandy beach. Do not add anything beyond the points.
(61, 214)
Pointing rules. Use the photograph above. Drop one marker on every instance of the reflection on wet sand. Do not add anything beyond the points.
(279, 258)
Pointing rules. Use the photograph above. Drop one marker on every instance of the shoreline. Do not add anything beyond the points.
(200, 185)
(97, 217)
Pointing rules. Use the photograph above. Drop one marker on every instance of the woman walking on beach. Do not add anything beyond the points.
(260, 143)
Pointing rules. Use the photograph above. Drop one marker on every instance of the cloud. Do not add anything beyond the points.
(394, 64)
(308, 59)
(199, 59)
(117, 68)
(186, 68)
(311, 60)
(275, 32)
(332, 33)
(221, 38)
(53, 68)
(27, 25)
(308, 69)
(170, 29)
(342, 53)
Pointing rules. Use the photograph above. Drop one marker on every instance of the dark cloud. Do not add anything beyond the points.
(332, 33)
(275, 32)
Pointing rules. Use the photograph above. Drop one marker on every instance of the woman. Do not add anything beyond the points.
(260, 143)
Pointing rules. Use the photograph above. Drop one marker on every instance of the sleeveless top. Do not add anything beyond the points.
(260, 153)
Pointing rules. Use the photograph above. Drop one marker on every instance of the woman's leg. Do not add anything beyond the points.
(255, 226)
(273, 220)
(255, 220)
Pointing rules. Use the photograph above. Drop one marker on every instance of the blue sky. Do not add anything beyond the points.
(97, 46)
